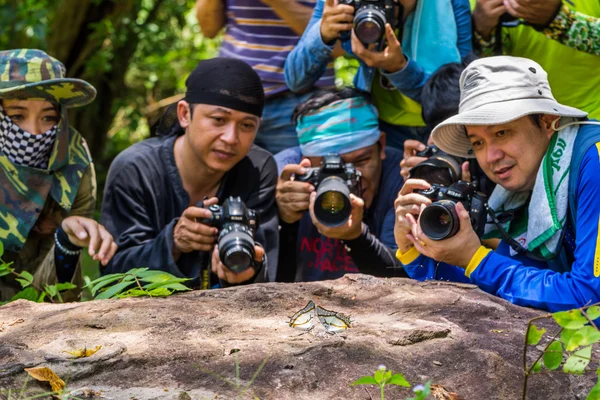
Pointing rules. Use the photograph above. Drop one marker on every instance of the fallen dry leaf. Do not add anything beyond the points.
(16, 321)
(441, 393)
(85, 352)
(45, 374)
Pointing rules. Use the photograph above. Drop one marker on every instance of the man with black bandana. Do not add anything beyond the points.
(204, 152)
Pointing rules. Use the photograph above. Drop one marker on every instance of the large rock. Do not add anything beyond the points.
(455, 335)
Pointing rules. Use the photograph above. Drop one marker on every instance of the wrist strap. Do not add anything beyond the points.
(64, 244)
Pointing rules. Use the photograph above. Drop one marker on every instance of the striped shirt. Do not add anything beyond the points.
(258, 36)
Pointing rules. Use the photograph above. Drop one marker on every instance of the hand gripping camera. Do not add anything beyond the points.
(439, 220)
(237, 226)
(334, 182)
(370, 17)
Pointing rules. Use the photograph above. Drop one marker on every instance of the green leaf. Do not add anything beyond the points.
(566, 335)
(398, 380)
(103, 278)
(26, 275)
(28, 293)
(51, 290)
(583, 337)
(160, 292)
(105, 282)
(537, 367)
(365, 380)
(572, 319)
(6, 272)
(155, 276)
(136, 292)
(41, 298)
(378, 375)
(534, 335)
(387, 376)
(4, 266)
(553, 355)
(136, 271)
(114, 290)
(1, 248)
(593, 312)
(61, 287)
(175, 281)
(594, 394)
(23, 282)
(577, 362)
(176, 287)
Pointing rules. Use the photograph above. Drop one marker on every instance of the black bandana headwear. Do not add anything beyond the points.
(221, 81)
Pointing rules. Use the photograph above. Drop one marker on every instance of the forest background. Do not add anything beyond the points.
(136, 53)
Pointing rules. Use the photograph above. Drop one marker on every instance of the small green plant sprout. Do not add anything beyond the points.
(136, 282)
(383, 377)
(243, 389)
(571, 347)
(31, 291)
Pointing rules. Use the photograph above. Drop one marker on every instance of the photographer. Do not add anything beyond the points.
(345, 123)
(544, 158)
(417, 38)
(204, 152)
(523, 28)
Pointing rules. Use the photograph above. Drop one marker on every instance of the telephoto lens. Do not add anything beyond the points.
(332, 205)
(237, 225)
(369, 24)
(334, 181)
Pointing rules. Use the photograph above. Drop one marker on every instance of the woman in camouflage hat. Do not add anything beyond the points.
(47, 179)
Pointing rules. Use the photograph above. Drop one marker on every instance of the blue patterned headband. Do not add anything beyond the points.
(340, 127)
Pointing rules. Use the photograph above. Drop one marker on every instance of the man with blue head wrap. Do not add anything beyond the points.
(343, 123)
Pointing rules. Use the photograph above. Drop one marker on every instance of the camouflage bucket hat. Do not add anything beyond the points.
(33, 74)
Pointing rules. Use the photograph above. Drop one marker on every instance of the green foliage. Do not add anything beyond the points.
(32, 292)
(136, 282)
(571, 347)
(345, 68)
(534, 335)
(383, 377)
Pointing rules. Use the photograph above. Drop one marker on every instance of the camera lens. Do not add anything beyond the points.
(236, 248)
(369, 24)
(332, 205)
(439, 220)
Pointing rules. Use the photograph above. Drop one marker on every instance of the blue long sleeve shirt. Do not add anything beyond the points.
(307, 62)
(526, 282)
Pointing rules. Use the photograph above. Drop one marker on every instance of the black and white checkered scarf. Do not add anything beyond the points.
(23, 148)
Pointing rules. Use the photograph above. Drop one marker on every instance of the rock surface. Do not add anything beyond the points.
(460, 338)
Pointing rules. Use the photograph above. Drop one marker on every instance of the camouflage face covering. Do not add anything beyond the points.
(33, 75)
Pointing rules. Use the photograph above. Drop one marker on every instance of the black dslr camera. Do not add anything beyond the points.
(237, 226)
(334, 182)
(439, 219)
(440, 167)
(370, 17)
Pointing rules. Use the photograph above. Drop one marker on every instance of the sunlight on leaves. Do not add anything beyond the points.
(534, 335)
(572, 319)
(577, 362)
(583, 337)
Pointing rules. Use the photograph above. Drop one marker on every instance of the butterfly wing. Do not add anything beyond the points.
(333, 321)
(303, 319)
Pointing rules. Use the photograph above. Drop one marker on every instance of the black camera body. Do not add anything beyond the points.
(370, 17)
(237, 226)
(334, 181)
(440, 167)
(439, 220)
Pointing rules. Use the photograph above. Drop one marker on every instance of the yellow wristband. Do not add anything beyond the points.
(476, 260)
(408, 257)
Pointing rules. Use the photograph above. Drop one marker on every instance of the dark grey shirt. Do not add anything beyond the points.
(144, 199)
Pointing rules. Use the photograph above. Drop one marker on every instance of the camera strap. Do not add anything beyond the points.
(516, 246)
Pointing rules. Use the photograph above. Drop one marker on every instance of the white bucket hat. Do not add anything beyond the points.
(494, 91)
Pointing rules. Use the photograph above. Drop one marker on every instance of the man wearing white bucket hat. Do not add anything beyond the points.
(544, 156)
